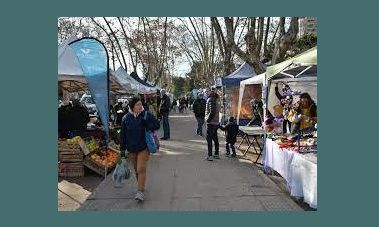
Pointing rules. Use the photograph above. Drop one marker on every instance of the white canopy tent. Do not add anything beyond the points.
(289, 71)
(307, 58)
(258, 79)
(71, 78)
(299, 72)
(125, 79)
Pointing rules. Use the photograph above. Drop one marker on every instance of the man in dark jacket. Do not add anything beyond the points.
(212, 118)
(164, 111)
(199, 111)
(79, 116)
(231, 136)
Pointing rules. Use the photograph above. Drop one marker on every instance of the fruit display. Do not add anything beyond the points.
(104, 158)
(74, 140)
(92, 146)
(68, 144)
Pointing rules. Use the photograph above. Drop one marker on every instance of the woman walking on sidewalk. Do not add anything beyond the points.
(133, 140)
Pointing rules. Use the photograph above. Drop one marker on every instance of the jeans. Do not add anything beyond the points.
(231, 146)
(212, 136)
(166, 125)
(200, 122)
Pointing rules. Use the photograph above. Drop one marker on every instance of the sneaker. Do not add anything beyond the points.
(228, 155)
(216, 156)
(139, 196)
(234, 155)
(209, 158)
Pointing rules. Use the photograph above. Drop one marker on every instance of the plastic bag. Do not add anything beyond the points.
(121, 172)
(152, 142)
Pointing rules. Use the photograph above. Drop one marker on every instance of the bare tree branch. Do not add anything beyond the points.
(118, 43)
(109, 37)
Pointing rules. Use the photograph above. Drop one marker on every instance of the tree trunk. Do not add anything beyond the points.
(286, 40)
(265, 49)
(260, 35)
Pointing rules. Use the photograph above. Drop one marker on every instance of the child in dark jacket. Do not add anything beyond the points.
(231, 129)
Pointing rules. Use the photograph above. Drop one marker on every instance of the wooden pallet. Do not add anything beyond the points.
(72, 169)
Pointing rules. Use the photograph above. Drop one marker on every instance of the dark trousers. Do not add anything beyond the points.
(231, 146)
(166, 125)
(212, 136)
(200, 123)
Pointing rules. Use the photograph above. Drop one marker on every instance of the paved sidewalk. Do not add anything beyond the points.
(179, 179)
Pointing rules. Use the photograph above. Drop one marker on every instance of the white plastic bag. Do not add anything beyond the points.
(121, 172)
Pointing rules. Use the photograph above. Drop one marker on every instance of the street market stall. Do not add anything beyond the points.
(83, 66)
(291, 148)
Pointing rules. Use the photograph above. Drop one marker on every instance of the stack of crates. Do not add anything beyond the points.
(70, 159)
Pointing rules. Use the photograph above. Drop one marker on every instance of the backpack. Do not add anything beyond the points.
(152, 140)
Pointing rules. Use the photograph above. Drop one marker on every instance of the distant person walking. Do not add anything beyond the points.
(164, 111)
(199, 111)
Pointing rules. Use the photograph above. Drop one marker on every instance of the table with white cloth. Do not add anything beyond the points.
(298, 169)
(250, 135)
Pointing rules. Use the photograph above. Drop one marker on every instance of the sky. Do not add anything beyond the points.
(182, 66)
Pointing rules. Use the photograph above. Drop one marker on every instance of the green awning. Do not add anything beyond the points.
(308, 57)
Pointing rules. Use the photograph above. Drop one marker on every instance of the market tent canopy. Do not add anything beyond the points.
(307, 82)
(299, 72)
(70, 74)
(68, 64)
(306, 58)
(135, 76)
(243, 72)
(124, 78)
(258, 79)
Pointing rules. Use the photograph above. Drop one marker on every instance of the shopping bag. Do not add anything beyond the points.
(121, 172)
(152, 140)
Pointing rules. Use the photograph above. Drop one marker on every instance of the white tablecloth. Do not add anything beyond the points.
(299, 170)
(252, 130)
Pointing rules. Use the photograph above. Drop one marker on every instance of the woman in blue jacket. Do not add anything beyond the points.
(133, 140)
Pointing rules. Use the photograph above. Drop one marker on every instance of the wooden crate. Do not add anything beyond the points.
(70, 155)
(71, 169)
(90, 164)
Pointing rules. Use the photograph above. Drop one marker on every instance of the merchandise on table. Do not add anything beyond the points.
(307, 142)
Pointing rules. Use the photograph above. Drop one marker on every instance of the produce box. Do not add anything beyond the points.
(73, 169)
(99, 160)
(70, 156)
(92, 165)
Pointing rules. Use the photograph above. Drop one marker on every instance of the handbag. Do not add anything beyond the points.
(152, 140)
